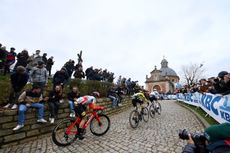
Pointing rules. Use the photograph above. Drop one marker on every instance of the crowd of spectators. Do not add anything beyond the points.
(214, 85)
(99, 74)
(8, 60)
(36, 69)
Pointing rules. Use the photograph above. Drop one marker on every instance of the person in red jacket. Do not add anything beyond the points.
(10, 60)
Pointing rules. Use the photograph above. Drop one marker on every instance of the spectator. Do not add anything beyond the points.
(44, 58)
(123, 80)
(216, 141)
(222, 83)
(111, 77)
(105, 75)
(119, 92)
(119, 81)
(73, 96)
(39, 76)
(97, 75)
(18, 82)
(89, 73)
(128, 84)
(60, 78)
(22, 58)
(31, 63)
(10, 60)
(49, 65)
(30, 99)
(203, 86)
(54, 102)
(113, 96)
(1, 57)
(194, 88)
(69, 67)
(3, 54)
(37, 57)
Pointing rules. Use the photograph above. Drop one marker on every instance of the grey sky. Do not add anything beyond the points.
(128, 37)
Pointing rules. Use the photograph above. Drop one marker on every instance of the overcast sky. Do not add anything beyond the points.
(128, 37)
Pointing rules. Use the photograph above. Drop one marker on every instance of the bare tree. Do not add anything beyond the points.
(192, 73)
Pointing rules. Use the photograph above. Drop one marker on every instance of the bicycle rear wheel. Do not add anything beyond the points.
(152, 110)
(134, 118)
(145, 114)
(61, 135)
(101, 126)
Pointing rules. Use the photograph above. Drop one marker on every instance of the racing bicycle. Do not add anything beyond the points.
(66, 131)
(137, 115)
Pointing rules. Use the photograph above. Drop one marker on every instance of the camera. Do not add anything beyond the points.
(198, 138)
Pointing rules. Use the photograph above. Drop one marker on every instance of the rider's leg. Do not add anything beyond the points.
(82, 113)
(83, 120)
(81, 129)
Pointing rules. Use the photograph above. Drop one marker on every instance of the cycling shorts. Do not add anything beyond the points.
(80, 110)
(136, 101)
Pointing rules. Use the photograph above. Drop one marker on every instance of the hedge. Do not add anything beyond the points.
(85, 87)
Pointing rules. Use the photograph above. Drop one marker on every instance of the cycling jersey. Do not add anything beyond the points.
(139, 96)
(81, 104)
(85, 100)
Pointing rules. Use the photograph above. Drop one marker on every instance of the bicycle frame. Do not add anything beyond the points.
(93, 114)
(78, 121)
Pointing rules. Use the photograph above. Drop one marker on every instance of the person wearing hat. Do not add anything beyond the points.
(39, 76)
(30, 99)
(222, 83)
(10, 60)
(217, 140)
(18, 81)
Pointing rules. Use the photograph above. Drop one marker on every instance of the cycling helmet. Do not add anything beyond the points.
(95, 94)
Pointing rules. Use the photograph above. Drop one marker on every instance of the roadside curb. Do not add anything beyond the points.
(198, 116)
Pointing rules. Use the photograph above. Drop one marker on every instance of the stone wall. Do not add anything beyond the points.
(32, 130)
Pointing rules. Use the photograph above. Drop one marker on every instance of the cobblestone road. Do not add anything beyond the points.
(159, 135)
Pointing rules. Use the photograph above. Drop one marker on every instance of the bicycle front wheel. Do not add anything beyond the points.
(145, 114)
(101, 125)
(152, 110)
(62, 134)
(134, 118)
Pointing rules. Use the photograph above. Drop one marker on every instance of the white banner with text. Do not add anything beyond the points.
(217, 106)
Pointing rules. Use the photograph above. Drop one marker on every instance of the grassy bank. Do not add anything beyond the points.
(202, 113)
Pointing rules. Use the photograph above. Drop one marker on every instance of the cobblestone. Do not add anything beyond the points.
(159, 135)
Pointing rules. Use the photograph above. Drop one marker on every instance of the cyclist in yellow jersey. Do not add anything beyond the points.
(140, 98)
